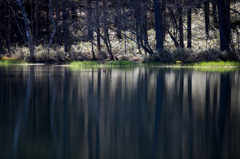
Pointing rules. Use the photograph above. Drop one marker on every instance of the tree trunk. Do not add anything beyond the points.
(158, 25)
(180, 25)
(73, 14)
(98, 28)
(0, 30)
(65, 25)
(9, 25)
(227, 7)
(27, 30)
(6, 26)
(54, 26)
(118, 20)
(18, 27)
(206, 11)
(89, 19)
(189, 25)
(137, 21)
(59, 36)
(105, 29)
(163, 14)
(48, 23)
(214, 11)
(31, 17)
(223, 25)
(36, 21)
(145, 34)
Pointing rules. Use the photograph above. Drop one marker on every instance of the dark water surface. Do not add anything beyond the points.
(49, 112)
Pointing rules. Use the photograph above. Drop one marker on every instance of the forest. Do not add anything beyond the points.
(138, 30)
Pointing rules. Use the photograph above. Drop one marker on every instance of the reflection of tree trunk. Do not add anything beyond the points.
(90, 122)
(65, 127)
(224, 108)
(22, 115)
(190, 114)
(97, 115)
(158, 113)
(207, 113)
(180, 119)
(214, 138)
(53, 103)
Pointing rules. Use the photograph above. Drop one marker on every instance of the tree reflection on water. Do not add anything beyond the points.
(57, 112)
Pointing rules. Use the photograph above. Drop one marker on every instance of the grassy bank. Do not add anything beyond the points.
(124, 63)
(121, 63)
(9, 62)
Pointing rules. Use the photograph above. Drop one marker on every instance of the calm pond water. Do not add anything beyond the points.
(51, 112)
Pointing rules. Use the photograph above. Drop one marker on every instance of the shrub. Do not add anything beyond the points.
(161, 55)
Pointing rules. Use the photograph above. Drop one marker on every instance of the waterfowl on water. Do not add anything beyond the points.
(104, 71)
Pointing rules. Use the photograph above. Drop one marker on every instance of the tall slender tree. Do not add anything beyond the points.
(158, 25)
(65, 25)
(144, 25)
(73, 13)
(54, 26)
(27, 30)
(98, 26)
(180, 25)
(48, 23)
(214, 12)
(163, 19)
(223, 25)
(36, 21)
(137, 22)
(206, 12)
(89, 19)
(9, 25)
(6, 26)
(0, 29)
(105, 29)
(59, 36)
(189, 26)
(118, 19)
